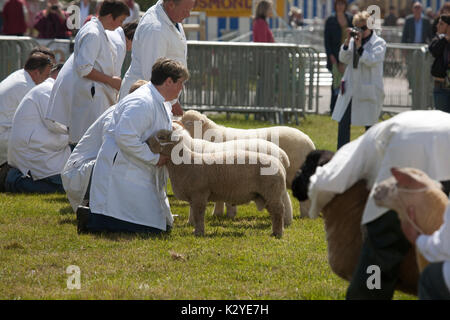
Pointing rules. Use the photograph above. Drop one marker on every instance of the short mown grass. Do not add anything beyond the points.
(236, 259)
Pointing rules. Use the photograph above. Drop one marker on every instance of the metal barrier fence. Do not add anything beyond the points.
(14, 52)
(251, 78)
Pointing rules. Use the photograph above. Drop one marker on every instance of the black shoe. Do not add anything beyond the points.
(82, 219)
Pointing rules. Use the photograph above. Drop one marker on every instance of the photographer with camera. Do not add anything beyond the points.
(51, 22)
(361, 93)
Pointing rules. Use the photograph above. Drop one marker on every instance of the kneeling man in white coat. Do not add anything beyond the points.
(37, 148)
(128, 183)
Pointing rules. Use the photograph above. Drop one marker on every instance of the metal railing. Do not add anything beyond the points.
(14, 52)
(251, 78)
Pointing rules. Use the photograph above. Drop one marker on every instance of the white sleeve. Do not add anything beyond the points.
(345, 56)
(152, 47)
(436, 247)
(374, 56)
(129, 130)
(86, 56)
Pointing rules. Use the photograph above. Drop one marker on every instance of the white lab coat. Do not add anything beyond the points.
(37, 146)
(126, 184)
(62, 96)
(418, 139)
(92, 49)
(436, 248)
(12, 90)
(134, 14)
(77, 170)
(364, 85)
(156, 36)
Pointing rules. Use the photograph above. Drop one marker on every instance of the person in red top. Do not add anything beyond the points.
(51, 22)
(261, 30)
(14, 12)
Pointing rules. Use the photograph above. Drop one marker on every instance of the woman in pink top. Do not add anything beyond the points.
(261, 30)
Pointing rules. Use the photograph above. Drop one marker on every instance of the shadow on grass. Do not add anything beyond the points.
(66, 210)
(72, 221)
(60, 197)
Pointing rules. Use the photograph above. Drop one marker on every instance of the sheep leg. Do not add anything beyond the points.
(288, 215)
(276, 210)
(304, 208)
(231, 210)
(218, 208)
(198, 210)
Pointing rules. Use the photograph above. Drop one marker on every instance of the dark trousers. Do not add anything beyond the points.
(344, 127)
(102, 223)
(16, 182)
(432, 284)
(385, 247)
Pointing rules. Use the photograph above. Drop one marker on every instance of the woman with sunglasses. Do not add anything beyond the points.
(361, 93)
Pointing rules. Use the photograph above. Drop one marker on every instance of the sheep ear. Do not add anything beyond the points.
(406, 178)
(154, 145)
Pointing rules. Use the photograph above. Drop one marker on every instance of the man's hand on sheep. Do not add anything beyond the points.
(408, 229)
(163, 159)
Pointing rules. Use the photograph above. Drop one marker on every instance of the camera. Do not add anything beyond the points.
(355, 30)
(54, 7)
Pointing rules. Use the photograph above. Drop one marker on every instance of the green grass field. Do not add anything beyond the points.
(236, 259)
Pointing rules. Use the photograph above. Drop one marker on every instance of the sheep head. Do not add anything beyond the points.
(193, 119)
(300, 184)
(163, 141)
(410, 187)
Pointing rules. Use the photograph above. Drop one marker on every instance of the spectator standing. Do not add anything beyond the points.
(334, 35)
(440, 70)
(87, 7)
(51, 22)
(362, 93)
(261, 30)
(14, 18)
(134, 11)
(296, 17)
(445, 9)
(391, 19)
(93, 86)
(417, 28)
(159, 34)
(37, 148)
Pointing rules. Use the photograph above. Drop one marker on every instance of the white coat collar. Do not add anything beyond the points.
(159, 98)
(163, 14)
(28, 77)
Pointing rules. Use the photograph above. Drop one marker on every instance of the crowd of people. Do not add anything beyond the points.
(48, 19)
(79, 128)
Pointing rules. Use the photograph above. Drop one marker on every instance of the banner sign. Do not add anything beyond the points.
(232, 8)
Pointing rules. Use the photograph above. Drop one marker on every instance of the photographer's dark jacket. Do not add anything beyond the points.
(333, 36)
(440, 49)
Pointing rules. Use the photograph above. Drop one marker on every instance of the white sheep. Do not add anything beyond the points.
(295, 143)
(410, 187)
(256, 145)
(202, 177)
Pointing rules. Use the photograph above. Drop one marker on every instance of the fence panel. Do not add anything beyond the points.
(251, 78)
(14, 52)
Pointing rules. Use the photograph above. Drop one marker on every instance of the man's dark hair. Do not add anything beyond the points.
(43, 50)
(38, 61)
(166, 68)
(116, 8)
(129, 29)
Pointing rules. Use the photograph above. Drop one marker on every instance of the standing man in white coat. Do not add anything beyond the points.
(128, 183)
(12, 90)
(37, 149)
(361, 94)
(93, 83)
(159, 34)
